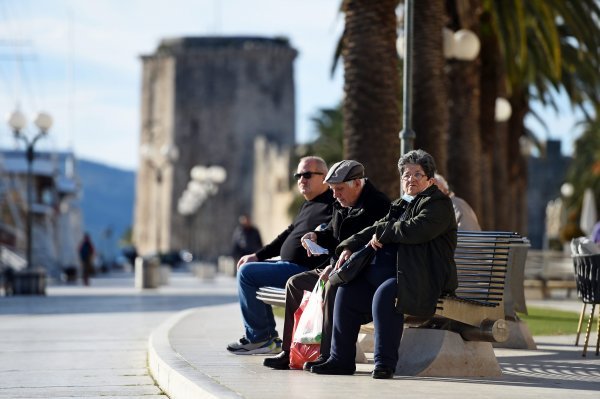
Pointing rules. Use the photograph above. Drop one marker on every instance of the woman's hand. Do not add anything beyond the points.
(374, 243)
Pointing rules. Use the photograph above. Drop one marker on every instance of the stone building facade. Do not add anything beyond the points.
(211, 98)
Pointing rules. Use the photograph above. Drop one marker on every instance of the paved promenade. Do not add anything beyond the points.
(193, 343)
(91, 342)
(94, 342)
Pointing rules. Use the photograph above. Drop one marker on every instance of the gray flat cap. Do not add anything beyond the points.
(345, 170)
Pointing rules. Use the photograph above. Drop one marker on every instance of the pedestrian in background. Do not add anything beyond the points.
(246, 238)
(86, 257)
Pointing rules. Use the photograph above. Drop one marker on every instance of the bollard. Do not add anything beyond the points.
(147, 272)
(29, 282)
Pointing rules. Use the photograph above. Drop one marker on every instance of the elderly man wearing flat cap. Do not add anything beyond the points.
(358, 205)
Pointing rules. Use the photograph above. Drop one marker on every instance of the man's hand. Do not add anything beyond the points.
(247, 258)
(312, 236)
(324, 275)
(343, 257)
(374, 243)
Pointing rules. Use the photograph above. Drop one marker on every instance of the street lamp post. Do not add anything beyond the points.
(407, 135)
(158, 163)
(17, 122)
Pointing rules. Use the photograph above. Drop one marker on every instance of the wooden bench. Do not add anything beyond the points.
(456, 341)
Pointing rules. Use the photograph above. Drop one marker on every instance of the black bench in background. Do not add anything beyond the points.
(587, 276)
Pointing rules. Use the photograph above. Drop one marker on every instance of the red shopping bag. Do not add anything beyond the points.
(308, 326)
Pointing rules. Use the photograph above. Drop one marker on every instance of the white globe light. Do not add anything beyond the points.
(400, 46)
(466, 45)
(218, 174)
(448, 42)
(17, 120)
(43, 121)
(567, 190)
(170, 152)
(503, 110)
(146, 151)
(198, 172)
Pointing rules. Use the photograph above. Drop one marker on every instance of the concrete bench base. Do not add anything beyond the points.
(441, 353)
(519, 337)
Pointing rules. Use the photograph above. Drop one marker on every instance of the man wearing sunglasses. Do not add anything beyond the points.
(254, 271)
(359, 204)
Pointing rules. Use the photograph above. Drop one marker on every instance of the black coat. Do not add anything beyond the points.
(371, 206)
(287, 245)
(425, 231)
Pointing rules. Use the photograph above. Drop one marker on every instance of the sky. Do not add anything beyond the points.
(79, 61)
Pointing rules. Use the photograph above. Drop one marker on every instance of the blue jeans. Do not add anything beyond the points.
(259, 321)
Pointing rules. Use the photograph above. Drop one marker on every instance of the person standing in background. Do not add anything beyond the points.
(86, 256)
(246, 238)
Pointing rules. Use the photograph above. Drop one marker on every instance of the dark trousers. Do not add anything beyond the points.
(294, 291)
(371, 295)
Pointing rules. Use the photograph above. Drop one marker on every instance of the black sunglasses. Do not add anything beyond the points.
(306, 175)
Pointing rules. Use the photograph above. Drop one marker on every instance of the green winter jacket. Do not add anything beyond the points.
(425, 231)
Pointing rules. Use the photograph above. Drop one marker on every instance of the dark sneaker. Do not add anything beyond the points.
(245, 347)
(279, 362)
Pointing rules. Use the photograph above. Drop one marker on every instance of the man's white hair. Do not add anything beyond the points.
(359, 182)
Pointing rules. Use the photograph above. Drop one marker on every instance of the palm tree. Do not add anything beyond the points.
(465, 148)
(430, 99)
(537, 48)
(557, 46)
(371, 87)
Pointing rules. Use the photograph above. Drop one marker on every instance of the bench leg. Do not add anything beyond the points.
(367, 342)
(440, 353)
(519, 336)
(360, 355)
(580, 323)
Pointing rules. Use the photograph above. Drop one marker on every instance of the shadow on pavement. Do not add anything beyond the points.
(554, 368)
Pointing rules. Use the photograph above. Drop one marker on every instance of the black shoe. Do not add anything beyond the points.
(331, 368)
(279, 362)
(383, 372)
(320, 360)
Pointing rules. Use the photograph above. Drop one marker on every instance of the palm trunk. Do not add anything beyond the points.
(490, 76)
(430, 98)
(371, 108)
(464, 148)
(517, 171)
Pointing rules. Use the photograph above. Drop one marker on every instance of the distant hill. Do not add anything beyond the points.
(107, 203)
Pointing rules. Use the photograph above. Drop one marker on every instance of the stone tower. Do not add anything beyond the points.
(210, 97)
